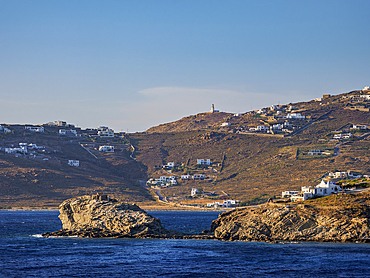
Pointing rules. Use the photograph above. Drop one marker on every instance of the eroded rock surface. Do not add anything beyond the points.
(299, 223)
(93, 216)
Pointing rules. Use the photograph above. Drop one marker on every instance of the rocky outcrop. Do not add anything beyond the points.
(99, 216)
(299, 223)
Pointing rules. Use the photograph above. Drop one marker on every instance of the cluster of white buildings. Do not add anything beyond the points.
(193, 177)
(295, 116)
(358, 98)
(275, 127)
(61, 124)
(342, 136)
(344, 175)
(162, 181)
(22, 148)
(324, 188)
(224, 204)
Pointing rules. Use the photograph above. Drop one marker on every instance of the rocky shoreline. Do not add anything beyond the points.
(347, 221)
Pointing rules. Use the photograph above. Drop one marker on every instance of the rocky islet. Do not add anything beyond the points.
(99, 216)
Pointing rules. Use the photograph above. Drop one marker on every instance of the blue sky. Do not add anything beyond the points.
(131, 65)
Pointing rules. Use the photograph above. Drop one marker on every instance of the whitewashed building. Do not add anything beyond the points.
(35, 128)
(185, 177)
(295, 116)
(324, 188)
(194, 192)
(289, 193)
(68, 132)
(107, 149)
(199, 177)
(204, 162)
(74, 163)
(104, 131)
(170, 164)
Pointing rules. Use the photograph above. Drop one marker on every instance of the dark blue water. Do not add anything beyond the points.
(22, 254)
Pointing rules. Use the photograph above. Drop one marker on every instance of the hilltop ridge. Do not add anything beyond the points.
(254, 155)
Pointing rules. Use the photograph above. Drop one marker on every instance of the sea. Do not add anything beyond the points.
(25, 253)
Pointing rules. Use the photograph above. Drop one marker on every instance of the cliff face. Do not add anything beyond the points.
(301, 223)
(94, 217)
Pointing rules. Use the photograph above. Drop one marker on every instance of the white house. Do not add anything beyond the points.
(295, 116)
(366, 88)
(35, 128)
(204, 162)
(107, 149)
(74, 163)
(276, 127)
(343, 175)
(324, 188)
(199, 177)
(69, 132)
(342, 136)
(185, 177)
(194, 192)
(288, 193)
(16, 150)
(104, 131)
(225, 124)
(170, 164)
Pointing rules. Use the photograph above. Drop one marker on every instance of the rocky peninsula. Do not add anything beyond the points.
(336, 218)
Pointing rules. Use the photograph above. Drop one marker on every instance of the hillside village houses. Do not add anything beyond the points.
(107, 149)
(23, 148)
